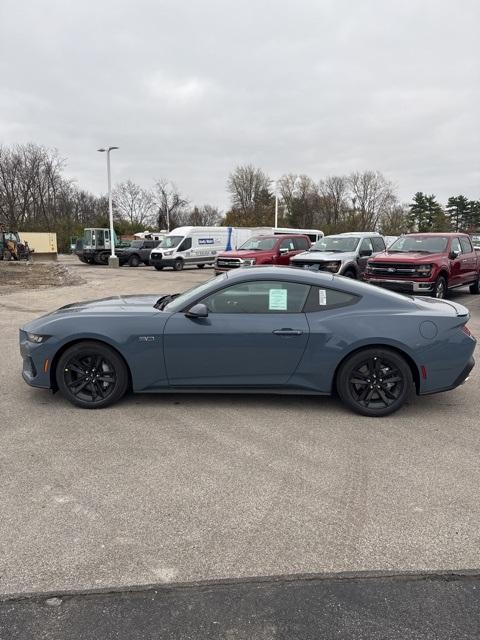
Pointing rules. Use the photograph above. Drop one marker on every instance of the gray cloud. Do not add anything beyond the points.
(189, 90)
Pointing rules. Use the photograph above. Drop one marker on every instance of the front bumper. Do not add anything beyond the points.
(35, 363)
(402, 286)
(161, 262)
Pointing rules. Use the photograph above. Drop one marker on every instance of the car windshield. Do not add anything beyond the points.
(137, 244)
(419, 244)
(170, 241)
(259, 244)
(336, 244)
(182, 300)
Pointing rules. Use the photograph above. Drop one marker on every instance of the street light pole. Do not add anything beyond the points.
(112, 260)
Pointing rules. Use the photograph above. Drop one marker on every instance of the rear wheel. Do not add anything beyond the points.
(133, 261)
(200, 266)
(475, 287)
(158, 268)
(178, 264)
(91, 375)
(374, 382)
(440, 289)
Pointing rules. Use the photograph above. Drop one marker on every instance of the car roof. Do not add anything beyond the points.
(442, 234)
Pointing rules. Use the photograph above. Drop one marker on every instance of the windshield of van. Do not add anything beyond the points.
(259, 243)
(419, 244)
(336, 244)
(170, 241)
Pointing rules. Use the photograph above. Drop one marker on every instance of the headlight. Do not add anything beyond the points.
(36, 338)
(168, 253)
(333, 266)
(424, 270)
(249, 261)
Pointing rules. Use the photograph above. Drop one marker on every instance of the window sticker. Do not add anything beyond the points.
(277, 300)
(322, 297)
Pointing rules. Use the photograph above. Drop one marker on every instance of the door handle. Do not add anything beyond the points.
(287, 332)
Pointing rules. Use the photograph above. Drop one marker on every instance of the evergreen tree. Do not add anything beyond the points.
(426, 214)
(457, 212)
(472, 216)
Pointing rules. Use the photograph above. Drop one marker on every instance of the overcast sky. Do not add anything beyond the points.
(189, 90)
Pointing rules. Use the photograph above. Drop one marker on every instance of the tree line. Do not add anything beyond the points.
(35, 195)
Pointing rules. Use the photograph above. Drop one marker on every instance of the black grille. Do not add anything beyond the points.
(231, 263)
(392, 268)
(313, 266)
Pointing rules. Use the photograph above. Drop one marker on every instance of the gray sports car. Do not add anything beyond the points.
(254, 330)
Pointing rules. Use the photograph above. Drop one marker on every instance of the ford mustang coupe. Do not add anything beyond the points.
(254, 330)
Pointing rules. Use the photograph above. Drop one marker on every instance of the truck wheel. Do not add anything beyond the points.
(200, 266)
(178, 264)
(475, 287)
(158, 268)
(440, 289)
(91, 375)
(374, 382)
(133, 261)
(350, 273)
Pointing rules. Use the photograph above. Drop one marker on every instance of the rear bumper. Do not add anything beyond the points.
(402, 286)
(461, 378)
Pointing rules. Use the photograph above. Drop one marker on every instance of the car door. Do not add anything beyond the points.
(365, 251)
(145, 251)
(254, 335)
(456, 276)
(286, 250)
(468, 261)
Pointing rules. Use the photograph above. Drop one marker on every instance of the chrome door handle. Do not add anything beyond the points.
(287, 332)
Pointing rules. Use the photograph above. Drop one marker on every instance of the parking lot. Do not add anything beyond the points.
(197, 487)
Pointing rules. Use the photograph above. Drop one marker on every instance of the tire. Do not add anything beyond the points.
(133, 261)
(146, 263)
(440, 290)
(366, 396)
(200, 266)
(74, 373)
(178, 264)
(82, 259)
(475, 287)
(158, 268)
(350, 273)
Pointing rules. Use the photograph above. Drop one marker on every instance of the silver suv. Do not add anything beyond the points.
(345, 254)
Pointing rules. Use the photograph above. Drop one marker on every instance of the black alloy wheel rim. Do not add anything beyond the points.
(90, 378)
(376, 383)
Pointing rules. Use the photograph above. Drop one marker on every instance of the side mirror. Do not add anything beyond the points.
(198, 310)
(365, 253)
(284, 250)
(453, 254)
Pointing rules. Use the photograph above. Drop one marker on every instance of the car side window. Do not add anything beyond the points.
(301, 244)
(186, 244)
(378, 244)
(287, 243)
(259, 297)
(456, 246)
(365, 245)
(466, 245)
(323, 299)
(149, 245)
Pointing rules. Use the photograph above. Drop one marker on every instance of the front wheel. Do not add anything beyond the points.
(133, 261)
(440, 289)
(475, 287)
(350, 273)
(158, 267)
(91, 375)
(178, 264)
(200, 266)
(374, 382)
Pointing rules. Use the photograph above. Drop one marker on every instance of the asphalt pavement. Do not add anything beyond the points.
(168, 489)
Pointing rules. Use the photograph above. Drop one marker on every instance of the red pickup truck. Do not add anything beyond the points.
(274, 249)
(426, 264)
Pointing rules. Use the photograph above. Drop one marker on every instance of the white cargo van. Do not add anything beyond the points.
(199, 245)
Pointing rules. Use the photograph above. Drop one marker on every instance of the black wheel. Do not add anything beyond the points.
(158, 268)
(146, 263)
(374, 382)
(200, 266)
(91, 375)
(178, 264)
(102, 258)
(475, 287)
(350, 273)
(82, 259)
(440, 289)
(133, 261)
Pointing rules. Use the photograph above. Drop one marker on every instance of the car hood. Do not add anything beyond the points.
(119, 304)
(327, 256)
(426, 258)
(242, 254)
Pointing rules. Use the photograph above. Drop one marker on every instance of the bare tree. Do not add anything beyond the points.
(372, 196)
(134, 204)
(206, 216)
(250, 193)
(300, 196)
(171, 205)
(334, 191)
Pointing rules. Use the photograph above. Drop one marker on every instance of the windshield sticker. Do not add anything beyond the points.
(322, 297)
(277, 300)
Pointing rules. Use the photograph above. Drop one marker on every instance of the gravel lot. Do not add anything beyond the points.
(179, 488)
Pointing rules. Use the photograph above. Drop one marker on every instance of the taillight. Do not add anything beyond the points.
(466, 330)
